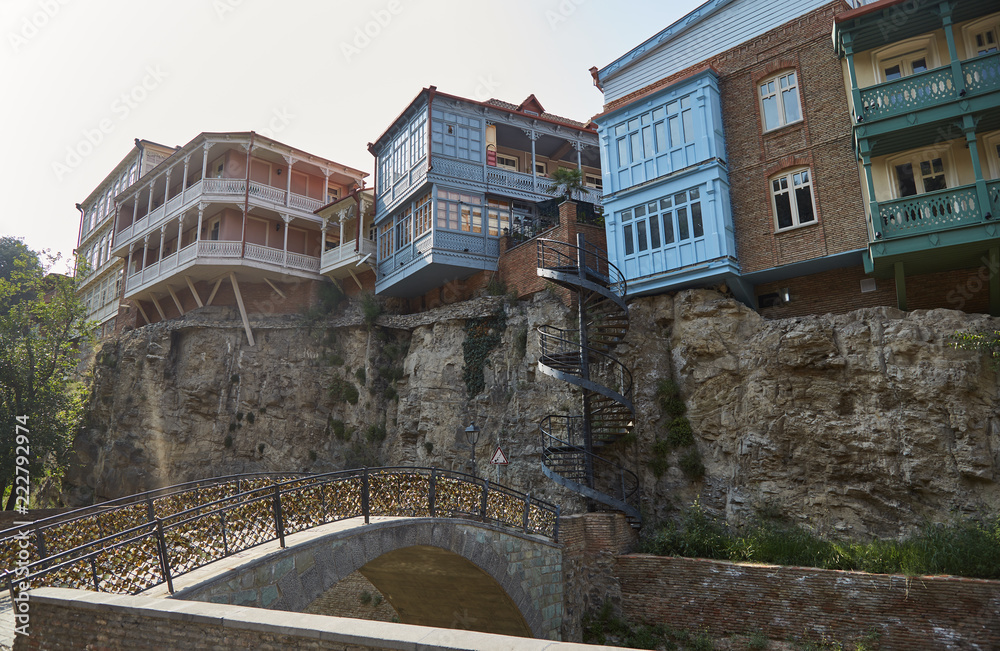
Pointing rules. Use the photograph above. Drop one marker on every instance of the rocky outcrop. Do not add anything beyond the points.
(867, 423)
(864, 424)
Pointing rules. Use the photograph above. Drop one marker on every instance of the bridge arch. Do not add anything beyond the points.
(442, 572)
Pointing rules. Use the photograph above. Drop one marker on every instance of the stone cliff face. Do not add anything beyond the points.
(863, 424)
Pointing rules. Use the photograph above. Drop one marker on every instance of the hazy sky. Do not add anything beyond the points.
(82, 78)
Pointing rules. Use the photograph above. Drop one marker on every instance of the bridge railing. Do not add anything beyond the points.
(162, 547)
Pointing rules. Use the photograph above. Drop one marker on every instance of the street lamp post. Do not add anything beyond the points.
(472, 436)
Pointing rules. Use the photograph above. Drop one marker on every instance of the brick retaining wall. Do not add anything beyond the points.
(792, 603)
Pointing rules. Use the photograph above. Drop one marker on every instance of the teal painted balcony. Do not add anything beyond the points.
(929, 212)
(926, 97)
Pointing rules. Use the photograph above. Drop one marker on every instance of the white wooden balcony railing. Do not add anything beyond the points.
(535, 188)
(345, 253)
(209, 251)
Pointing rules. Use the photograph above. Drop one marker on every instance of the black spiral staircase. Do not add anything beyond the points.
(582, 356)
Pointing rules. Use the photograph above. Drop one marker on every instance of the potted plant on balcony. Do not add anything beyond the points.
(565, 181)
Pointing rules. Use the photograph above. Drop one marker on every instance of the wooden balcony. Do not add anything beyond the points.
(914, 104)
(219, 190)
(340, 262)
(502, 181)
(217, 253)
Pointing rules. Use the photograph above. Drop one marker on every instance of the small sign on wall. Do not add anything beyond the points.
(499, 458)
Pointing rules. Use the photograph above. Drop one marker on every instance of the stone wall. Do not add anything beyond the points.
(75, 619)
(809, 605)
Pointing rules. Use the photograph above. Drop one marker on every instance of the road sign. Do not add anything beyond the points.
(499, 458)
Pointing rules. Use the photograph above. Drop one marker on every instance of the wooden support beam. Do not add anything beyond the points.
(177, 301)
(243, 309)
(336, 283)
(276, 290)
(138, 304)
(214, 289)
(900, 286)
(156, 304)
(351, 271)
(995, 281)
(194, 292)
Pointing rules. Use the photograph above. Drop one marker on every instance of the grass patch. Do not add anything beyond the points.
(968, 547)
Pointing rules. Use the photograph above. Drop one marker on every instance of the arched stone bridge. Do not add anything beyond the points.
(446, 549)
(442, 572)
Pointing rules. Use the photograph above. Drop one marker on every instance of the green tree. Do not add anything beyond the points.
(41, 329)
(565, 181)
(986, 341)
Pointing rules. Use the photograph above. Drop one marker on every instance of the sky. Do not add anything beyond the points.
(82, 79)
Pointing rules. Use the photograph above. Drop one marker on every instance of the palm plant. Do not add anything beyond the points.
(565, 181)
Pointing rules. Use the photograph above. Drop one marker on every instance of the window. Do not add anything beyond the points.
(498, 214)
(540, 169)
(459, 212)
(904, 59)
(792, 199)
(507, 162)
(779, 101)
(385, 243)
(662, 223)
(422, 215)
(593, 181)
(213, 229)
(332, 194)
(904, 66)
(983, 36)
(920, 172)
(646, 136)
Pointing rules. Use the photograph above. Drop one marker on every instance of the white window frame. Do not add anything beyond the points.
(512, 163)
(776, 79)
(789, 174)
(593, 181)
(904, 53)
(915, 158)
(541, 168)
(988, 24)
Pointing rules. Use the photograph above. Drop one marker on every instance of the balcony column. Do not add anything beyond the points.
(166, 190)
(184, 181)
(532, 136)
(900, 285)
(149, 199)
(578, 146)
(287, 219)
(128, 263)
(326, 187)
(859, 109)
(180, 234)
(145, 253)
(204, 163)
(201, 213)
(343, 217)
(163, 235)
(969, 127)
(956, 64)
(135, 209)
(288, 182)
(994, 266)
(866, 160)
(322, 238)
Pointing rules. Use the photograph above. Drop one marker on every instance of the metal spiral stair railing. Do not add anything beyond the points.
(582, 357)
